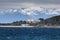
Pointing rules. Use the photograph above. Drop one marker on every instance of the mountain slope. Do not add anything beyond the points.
(53, 20)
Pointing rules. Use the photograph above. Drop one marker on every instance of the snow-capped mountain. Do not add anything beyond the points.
(33, 11)
(24, 13)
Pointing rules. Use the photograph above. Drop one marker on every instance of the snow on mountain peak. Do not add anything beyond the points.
(33, 11)
(40, 10)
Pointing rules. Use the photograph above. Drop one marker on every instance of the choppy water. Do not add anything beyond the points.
(29, 33)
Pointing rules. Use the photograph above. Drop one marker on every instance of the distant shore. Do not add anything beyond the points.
(16, 26)
(34, 26)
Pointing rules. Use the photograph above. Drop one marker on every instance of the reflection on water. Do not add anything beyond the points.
(29, 33)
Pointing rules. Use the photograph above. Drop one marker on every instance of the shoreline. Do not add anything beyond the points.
(16, 26)
(34, 26)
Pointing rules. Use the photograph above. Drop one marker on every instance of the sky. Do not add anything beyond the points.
(15, 10)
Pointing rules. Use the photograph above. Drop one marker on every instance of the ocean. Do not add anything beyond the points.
(25, 33)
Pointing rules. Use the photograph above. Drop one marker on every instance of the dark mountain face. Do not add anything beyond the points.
(53, 20)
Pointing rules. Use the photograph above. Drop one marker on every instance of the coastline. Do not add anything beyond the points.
(17, 26)
(34, 26)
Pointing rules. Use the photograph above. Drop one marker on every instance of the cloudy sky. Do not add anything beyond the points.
(15, 10)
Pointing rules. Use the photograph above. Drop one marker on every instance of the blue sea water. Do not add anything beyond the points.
(34, 33)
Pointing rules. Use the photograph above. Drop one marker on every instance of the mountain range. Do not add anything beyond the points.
(25, 13)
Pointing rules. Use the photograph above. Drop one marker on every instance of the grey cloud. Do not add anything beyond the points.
(16, 3)
(33, 1)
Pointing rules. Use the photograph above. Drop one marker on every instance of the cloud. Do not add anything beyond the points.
(6, 4)
(32, 1)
